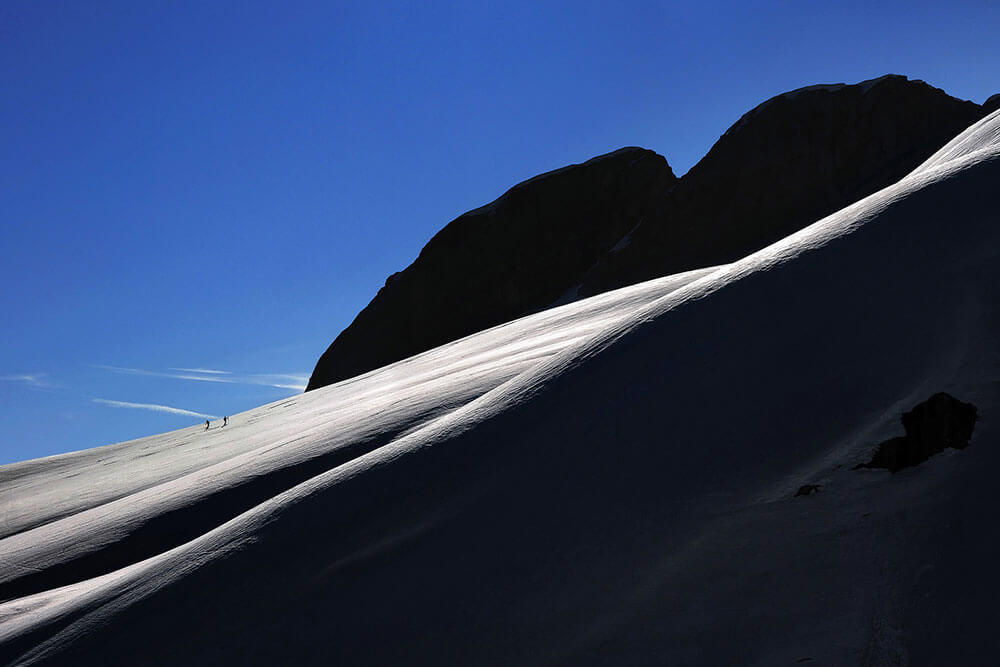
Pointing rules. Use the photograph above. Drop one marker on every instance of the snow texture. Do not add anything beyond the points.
(608, 482)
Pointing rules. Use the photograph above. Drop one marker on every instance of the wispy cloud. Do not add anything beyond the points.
(279, 380)
(160, 374)
(30, 379)
(210, 371)
(152, 406)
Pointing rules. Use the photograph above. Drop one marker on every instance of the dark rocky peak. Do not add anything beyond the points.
(790, 96)
(785, 164)
(498, 262)
(991, 104)
(623, 217)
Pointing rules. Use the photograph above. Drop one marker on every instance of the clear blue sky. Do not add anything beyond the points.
(224, 185)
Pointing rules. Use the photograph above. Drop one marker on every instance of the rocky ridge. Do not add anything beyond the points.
(624, 217)
(785, 164)
(501, 261)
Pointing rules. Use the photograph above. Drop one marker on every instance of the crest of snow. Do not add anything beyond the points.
(976, 143)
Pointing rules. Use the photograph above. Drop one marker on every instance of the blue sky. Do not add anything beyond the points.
(195, 198)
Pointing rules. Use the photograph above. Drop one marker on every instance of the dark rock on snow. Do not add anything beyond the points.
(807, 489)
(940, 421)
(623, 218)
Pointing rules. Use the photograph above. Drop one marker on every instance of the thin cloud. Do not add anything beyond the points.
(210, 371)
(198, 378)
(290, 376)
(30, 379)
(152, 406)
(120, 369)
(279, 380)
(297, 387)
(175, 376)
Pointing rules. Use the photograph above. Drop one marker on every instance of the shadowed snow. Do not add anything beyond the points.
(607, 482)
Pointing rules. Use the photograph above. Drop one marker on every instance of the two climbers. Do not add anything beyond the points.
(225, 421)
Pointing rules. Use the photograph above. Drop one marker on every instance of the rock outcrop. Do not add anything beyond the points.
(991, 104)
(785, 164)
(623, 218)
(939, 422)
(503, 260)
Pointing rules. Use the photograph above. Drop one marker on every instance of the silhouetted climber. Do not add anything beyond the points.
(206, 424)
(225, 420)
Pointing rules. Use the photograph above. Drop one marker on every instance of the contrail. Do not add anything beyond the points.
(152, 406)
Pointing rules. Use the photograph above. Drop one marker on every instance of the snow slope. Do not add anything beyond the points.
(61, 507)
(608, 482)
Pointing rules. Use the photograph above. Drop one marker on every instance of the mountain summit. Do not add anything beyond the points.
(501, 261)
(788, 162)
(622, 218)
